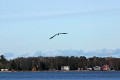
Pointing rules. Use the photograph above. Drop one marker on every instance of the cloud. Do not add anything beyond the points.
(45, 15)
(9, 55)
(98, 53)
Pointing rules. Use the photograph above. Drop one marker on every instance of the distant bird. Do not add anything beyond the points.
(57, 34)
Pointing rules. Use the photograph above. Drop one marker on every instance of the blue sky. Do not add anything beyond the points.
(26, 25)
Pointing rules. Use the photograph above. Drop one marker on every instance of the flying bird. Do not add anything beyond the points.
(57, 34)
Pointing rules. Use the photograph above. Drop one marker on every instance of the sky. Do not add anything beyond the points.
(92, 26)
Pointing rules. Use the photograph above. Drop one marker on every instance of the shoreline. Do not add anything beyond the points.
(65, 71)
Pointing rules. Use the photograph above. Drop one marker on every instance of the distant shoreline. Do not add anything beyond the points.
(65, 71)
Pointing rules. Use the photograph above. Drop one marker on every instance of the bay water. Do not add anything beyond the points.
(82, 75)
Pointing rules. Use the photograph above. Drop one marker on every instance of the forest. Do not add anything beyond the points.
(54, 63)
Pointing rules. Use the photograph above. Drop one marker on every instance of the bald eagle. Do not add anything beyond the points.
(56, 35)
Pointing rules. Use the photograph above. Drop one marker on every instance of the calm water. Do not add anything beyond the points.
(92, 75)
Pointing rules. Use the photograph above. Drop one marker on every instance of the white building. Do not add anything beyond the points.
(2, 69)
(6, 70)
(89, 69)
(96, 68)
(65, 68)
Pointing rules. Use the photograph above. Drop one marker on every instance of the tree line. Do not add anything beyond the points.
(54, 63)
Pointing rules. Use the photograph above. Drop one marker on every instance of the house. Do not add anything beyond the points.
(65, 68)
(96, 68)
(6, 70)
(105, 68)
(2, 69)
(78, 69)
(53, 69)
(33, 68)
(89, 69)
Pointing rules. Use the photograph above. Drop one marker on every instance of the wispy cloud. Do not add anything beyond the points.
(45, 15)
(99, 53)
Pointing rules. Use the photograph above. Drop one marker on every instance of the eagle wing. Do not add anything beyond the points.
(57, 34)
(53, 36)
(62, 33)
